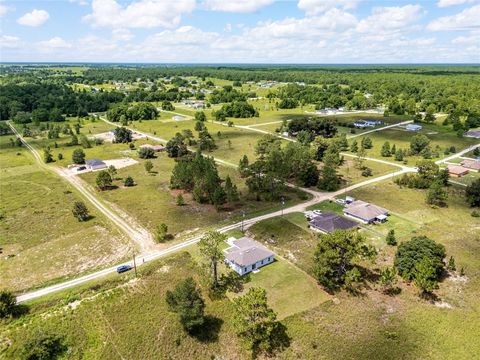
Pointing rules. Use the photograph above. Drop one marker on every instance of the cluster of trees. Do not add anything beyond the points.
(226, 95)
(199, 175)
(237, 109)
(125, 112)
(429, 176)
(312, 127)
(36, 100)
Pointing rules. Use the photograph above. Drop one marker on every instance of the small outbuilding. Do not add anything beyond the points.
(457, 170)
(246, 255)
(473, 134)
(365, 212)
(156, 148)
(329, 222)
(95, 164)
(413, 127)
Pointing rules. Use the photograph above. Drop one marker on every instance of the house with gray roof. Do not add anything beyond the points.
(365, 212)
(328, 222)
(95, 164)
(246, 255)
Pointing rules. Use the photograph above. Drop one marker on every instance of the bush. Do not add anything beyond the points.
(187, 302)
(78, 156)
(128, 181)
(366, 172)
(411, 252)
(7, 304)
(146, 153)
(42, 346)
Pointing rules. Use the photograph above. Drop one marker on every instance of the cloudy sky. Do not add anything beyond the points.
(241, 31)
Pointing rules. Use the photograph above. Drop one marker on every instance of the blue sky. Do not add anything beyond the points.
(241, 31)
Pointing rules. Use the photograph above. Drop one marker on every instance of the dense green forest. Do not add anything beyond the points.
(400, 89)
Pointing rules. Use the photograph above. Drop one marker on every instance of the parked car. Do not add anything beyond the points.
(123, 268)
(80, 168)
(340, 201)
(317, 212)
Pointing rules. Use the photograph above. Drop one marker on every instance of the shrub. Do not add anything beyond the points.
(42, 346)
(128, 181)
(146, 153)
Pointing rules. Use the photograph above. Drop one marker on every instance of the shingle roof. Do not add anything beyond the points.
(329, 222)
(246, 251)
(471, 164)
(95, 162)
(364, 210)
(457, 170)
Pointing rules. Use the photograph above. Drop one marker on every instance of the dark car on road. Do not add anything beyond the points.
(123, 268)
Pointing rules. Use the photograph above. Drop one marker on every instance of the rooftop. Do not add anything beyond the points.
(329, 222)
(246, 251)
(364, 210)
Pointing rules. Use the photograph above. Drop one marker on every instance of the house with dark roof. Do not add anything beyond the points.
(95, 164)
(365, 212)
(246, 255)
(328, 222)
(471, 164)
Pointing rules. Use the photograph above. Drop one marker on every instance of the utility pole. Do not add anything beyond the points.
(134, 264)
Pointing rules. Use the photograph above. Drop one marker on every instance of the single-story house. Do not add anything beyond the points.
(471, 164)
(413, 127)
(457, 170)
(156, 148)
(473, 134)
(95, 164)
(365, 212)
(329, 222)
(246, 255)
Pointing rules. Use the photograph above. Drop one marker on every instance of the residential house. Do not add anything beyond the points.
(471, 164)
(457, 170)
(413, 127)
(365, 212)
(95, 164)
(246, 255)
(328, 222)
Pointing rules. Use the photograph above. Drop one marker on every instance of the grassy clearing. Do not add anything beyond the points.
(46, 242)
(440, 137)
(352, 175)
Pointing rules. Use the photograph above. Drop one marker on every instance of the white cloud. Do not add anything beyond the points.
(315, 7)
(140, 14)
(7, 41)
(390, 19)
(236, 6)
(54, 43)
(122, 35)
(34, 18)
(79, 2)
(472, 39)
(468, 19)
(447, 3)
(4, 10)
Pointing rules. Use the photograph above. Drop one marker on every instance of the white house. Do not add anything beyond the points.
(365, 212)
(413, 127)
(245, 255)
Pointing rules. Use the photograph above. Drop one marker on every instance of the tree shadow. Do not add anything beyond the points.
(279, 341)
(20, 310)
(208, 332)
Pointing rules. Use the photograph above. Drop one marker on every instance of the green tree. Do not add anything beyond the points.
(472, 193)
(180, 200)
(103, 180)
(47, 155)
(200, 116)
(399, 155)
(451, 264)
(255, 322)
(329, 179)
(210, 247)
(7, 304)
(336, 254)
(122, 135)
(385, 152)
(366, 143)
(231, 190)
(42, 345)
(146, 153)
(112, 171)
(390, 239)
(161, 233)
(80, 211)
(425, 276)
(388, 279)
(186, 300)
(243, 166)
(148, 166)
(409, 253)
(354, 146)
(360, 159)
(128, 181)
(418, 143)
(436, 194)
(78, 156)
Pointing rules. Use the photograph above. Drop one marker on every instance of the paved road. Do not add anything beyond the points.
(379, 129)
(459, 154)
(135, 232)
(317, 197)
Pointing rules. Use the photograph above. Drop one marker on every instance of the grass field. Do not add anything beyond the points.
(38, 230)
(440, 137)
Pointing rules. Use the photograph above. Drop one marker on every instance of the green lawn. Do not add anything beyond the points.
(38, 230)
